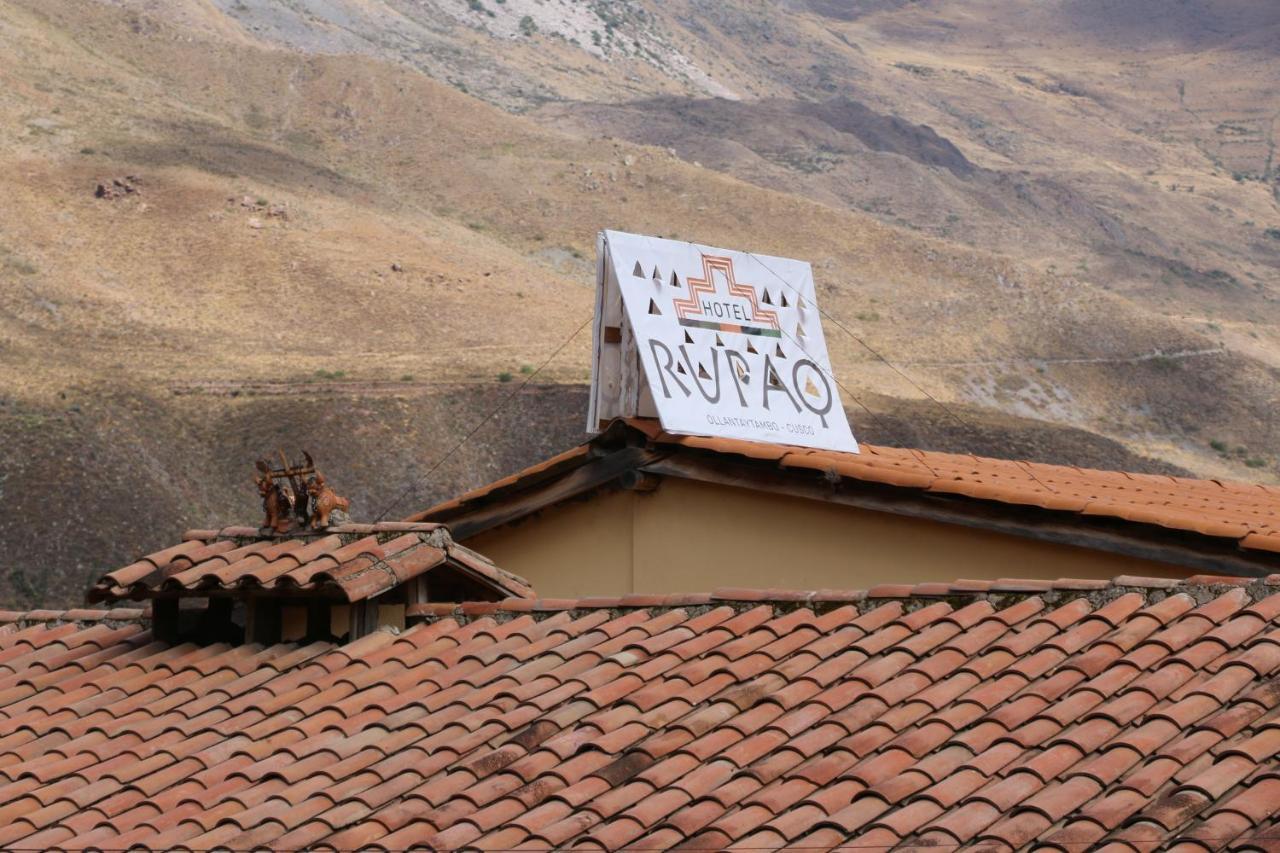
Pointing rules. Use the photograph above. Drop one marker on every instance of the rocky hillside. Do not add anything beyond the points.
(229, 225)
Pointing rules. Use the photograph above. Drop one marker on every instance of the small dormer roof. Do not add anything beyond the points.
(345, 563)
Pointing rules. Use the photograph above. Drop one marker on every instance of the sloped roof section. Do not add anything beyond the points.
(1123, 716)
(352, 562)
(1247, 515)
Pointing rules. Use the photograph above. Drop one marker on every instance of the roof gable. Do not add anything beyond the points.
(1213, 526)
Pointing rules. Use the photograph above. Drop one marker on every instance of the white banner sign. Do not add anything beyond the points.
(730, 342)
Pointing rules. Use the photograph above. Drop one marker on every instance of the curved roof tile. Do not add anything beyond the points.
(355, 560)
(1248, 514)
(939, 714)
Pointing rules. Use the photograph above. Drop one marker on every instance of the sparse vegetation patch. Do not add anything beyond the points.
(20, 266)
(918, 70)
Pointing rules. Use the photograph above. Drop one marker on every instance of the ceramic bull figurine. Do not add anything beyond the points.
(324, 501)
(275, 504)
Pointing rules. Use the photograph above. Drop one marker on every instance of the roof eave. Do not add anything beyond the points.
(1196, 551)
(626, 450)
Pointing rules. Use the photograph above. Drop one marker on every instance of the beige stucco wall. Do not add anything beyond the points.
(575, 549)
(690, 536)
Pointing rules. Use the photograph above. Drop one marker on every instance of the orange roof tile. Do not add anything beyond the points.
(1212, 508)
(1118, 715)
(357, 561)
(544, 468)
(1246, 513)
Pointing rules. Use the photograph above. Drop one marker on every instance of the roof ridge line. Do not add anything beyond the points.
(351, 529)
(1001, 592)
(78, 615)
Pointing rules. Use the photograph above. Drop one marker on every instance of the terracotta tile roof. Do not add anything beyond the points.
(353, 561)
(1121, 716)
(1246, 513)
(546, 468)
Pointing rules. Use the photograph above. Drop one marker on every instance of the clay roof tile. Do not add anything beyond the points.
(998, 723)
(1247, 514)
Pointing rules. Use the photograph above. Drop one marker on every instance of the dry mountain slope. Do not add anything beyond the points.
(1065, 135)
(243, 296)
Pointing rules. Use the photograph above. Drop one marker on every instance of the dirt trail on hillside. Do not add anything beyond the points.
(1155, 355)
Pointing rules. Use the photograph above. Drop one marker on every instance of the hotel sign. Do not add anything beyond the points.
(713, 342)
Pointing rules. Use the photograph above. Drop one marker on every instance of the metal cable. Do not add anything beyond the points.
(1024, 466)
(414, 484)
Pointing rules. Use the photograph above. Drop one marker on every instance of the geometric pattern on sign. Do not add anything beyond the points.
(692, 307)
